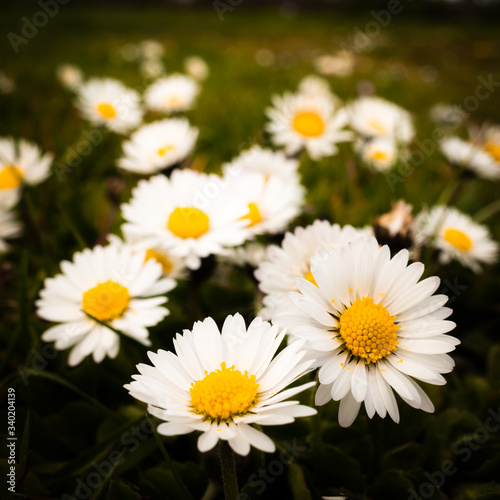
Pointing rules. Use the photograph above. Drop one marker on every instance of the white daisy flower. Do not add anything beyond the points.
(311, 122)
(251, 254)
(158, 145)
(277, 273)
(171, 94)
(112, 284)
(457, 236)
(70, 76)
(470, 156)
(151, 49)
(488, 138)
(10, 227)
(220, 383)
(196, 67)
(172, 266)
(268, 162)
(315, 86)
(375, 117)
(447, 114)
(272, 202)
(106, 101)
(380, 153)
(152, 68)
(372, 329)
(192, 215)
(21, 162)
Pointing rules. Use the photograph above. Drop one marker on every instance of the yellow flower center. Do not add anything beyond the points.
(378, 126)
(368, 330)
(493, 149)
(173, 101)
(380, 155)
(253, 214)
(164, 150)
(188, 222)
(166, 265)
(106, 110)
(458, 239)
(309, 124)
(10, 177)
(223, 394)
(309, 277)
(106, 301)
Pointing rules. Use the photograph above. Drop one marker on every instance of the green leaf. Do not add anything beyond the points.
(408, 456)
(297, 482)
(118, 490)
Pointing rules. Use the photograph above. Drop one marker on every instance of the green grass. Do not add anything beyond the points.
(68, 432)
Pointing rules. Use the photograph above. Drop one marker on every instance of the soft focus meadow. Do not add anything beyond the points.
(250, 253)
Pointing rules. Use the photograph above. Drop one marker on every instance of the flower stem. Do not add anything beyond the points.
(228, 468)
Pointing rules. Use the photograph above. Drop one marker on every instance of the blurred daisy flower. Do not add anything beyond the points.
(303, 121)
(10, 227)
(220, 383)
(464, 154)
(192, 215)
(21, 162)
(151, 49)
(447, 115)
(315, 86)
(103, 290)
(374, 117)
(249, 254)
(268, 162)
(276, 274)
(152, 68)
(395, 228)
(340, 64)
(380, 154)
(457, 237)
(196, 68)
(7, 84)
(171, 94)
(158, 145)
(70, 76)
(105, 101)
(487, 137)
(273, 202)
(372, 329)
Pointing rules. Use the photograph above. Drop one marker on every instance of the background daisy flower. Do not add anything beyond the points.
(196, 67)
(380, 153)
(221, 382)
(158, 145)
(113, 284)
(70, 76)
(375, 117)
(300, 121)
(277, 273)
(457, 237)
(172, 94)
(21, 162)
(192, 215)
(470, 156)
(372, 328)
(106, 101)
(10, 227)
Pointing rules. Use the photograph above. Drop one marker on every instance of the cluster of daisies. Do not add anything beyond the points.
(350, 301)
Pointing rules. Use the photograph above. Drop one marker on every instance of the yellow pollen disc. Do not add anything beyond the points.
(166, 265)
(173, 101)
(163, 151)
(379, 156)
(10, 177)
(368, 330)
(253, 214)
(458, 239)
(378, 126)
(106, 110)
(309, 277)
(493, 149)
(188, 222)
(106, 301)
(308, 124)
(223, 394)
